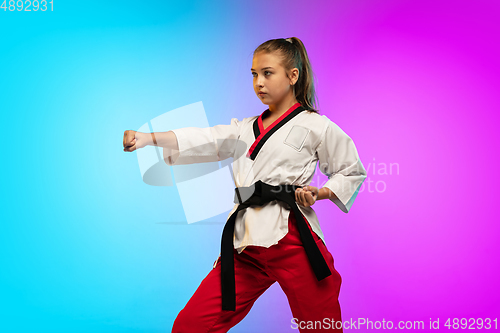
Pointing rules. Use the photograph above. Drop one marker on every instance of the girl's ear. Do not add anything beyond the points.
(294, 76)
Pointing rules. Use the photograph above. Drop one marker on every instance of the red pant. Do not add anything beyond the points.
(256, 269)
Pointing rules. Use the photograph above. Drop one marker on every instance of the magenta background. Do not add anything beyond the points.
(87, 246)
(415, 84)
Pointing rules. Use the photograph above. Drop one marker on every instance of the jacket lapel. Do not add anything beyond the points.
(262, 135)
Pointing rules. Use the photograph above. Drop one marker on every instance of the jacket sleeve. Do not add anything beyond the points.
(210, 144)
(339, 161)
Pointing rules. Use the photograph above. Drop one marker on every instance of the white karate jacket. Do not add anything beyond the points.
(288, 156)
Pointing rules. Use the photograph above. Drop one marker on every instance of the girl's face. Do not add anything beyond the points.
(269, 77)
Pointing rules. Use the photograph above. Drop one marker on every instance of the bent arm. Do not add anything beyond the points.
(339, 160)
(326, 193)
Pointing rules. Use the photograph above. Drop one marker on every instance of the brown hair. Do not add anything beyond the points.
(294, 55)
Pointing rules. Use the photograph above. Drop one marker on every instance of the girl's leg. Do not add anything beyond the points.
(314, 303)
(203, 313)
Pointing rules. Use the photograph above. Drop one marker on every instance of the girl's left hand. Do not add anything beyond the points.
(307, 195)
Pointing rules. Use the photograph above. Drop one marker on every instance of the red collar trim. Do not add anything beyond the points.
(264, 131)
(277, 121)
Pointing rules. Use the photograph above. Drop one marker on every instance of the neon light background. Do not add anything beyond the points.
(88, 247)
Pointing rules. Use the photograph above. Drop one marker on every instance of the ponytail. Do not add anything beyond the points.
(294, 55)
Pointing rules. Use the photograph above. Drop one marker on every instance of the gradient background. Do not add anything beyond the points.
(86, 246)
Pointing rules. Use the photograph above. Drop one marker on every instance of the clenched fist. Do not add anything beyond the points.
(306, 196)
(133, 140)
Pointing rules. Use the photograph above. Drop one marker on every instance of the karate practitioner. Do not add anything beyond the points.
(272, 234)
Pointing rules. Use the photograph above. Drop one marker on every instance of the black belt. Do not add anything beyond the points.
(259, 194)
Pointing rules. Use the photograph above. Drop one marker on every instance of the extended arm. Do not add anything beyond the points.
(166, 140)
(189, 144)
(133, 140)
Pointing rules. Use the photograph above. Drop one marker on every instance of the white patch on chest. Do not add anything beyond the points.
(297, 137)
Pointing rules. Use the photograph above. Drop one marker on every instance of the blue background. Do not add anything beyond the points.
(87, 246)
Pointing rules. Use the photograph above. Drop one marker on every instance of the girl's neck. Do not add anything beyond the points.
(276, 110)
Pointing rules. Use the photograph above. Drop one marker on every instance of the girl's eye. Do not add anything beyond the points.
(265, 72)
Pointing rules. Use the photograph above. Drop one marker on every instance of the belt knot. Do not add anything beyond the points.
(260, 193)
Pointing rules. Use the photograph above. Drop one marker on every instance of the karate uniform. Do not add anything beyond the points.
(286, 152)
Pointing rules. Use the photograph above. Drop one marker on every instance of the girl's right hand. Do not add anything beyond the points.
(133, 140)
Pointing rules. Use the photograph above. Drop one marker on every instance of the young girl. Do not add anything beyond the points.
(272, 234)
